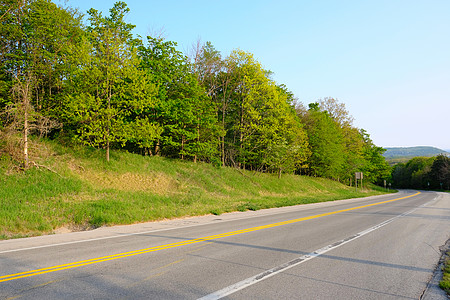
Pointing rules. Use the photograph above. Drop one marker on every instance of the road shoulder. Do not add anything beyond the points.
(433, 291)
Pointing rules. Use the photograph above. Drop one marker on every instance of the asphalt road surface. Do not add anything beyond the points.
(383, 247)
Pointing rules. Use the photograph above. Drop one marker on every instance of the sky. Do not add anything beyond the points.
(388, 61)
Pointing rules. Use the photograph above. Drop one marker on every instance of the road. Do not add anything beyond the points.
(383, 247)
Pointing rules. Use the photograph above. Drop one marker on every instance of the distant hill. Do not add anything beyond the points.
(409, 152)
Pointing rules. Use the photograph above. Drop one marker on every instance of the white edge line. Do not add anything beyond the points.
(299, 260)
(145, 232)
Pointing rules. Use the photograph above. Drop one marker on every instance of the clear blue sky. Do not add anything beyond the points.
(387, 60)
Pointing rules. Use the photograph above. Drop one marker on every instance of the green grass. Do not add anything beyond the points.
(445, 282)
(79, 190)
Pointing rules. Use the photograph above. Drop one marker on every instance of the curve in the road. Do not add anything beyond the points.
(179, 244)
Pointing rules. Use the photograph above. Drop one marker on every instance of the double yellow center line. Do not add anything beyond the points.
(178, 244)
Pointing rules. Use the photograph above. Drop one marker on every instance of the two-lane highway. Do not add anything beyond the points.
(383, 247)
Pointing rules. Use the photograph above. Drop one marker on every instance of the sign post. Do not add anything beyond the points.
(358, 175)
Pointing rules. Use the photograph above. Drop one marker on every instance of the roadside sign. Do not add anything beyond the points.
(358, 175)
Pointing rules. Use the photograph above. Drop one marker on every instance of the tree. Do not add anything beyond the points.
(415, 173)
(207, 65)
(113, 95)
(352, 139)
(440, 172)
(326, 143)
(375, 169)
(256, 116)
(215, 75)
(183, 109)
(37, 36)
(419, 168)
(337, 111)
(287, 148)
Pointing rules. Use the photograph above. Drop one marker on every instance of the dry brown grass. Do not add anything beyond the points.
(157, 183)
(12, 145)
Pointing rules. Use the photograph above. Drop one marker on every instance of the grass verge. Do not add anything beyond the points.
(445, 282)
(78, 190)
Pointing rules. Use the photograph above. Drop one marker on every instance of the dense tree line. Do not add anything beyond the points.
(100, 86)
(423, 173)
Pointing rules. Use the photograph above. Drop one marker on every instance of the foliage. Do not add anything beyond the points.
(263, 119)
(339, 149)
(37, 36)
(115, 93)
(440, 172)
(423, 173)
(98, 85)
(184, 112)
(326, 142)
(375, 167)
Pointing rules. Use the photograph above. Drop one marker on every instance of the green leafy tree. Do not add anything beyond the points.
(440, 172)
(352, 139)
(339, 149)
(215, 75)
(376, 169)
(326, 143)
(420, 168)
(113, 95)
(279, 138)
(261, 128)
(37, 38)
(288, 153)
(415, 173)
(183, 109)
(400, 176)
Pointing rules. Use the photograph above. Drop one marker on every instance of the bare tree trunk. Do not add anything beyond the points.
(182, 147)
(25, 134)
(223, 151)
(223, 126)
(157, 148)
(23, 90)
(224, 108)
(107, 150)
(223, 137)
(107, 141)
(109, 121)
(198, 142)
(241, 134)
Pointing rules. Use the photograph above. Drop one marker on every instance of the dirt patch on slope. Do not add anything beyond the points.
(157, 183)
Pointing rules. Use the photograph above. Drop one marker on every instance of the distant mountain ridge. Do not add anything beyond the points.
(409, 152)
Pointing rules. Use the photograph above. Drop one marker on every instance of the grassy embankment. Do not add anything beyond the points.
(79, 190)
(445, 282)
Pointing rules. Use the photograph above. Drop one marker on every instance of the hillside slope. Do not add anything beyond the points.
(409, 152)
(76, 189)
